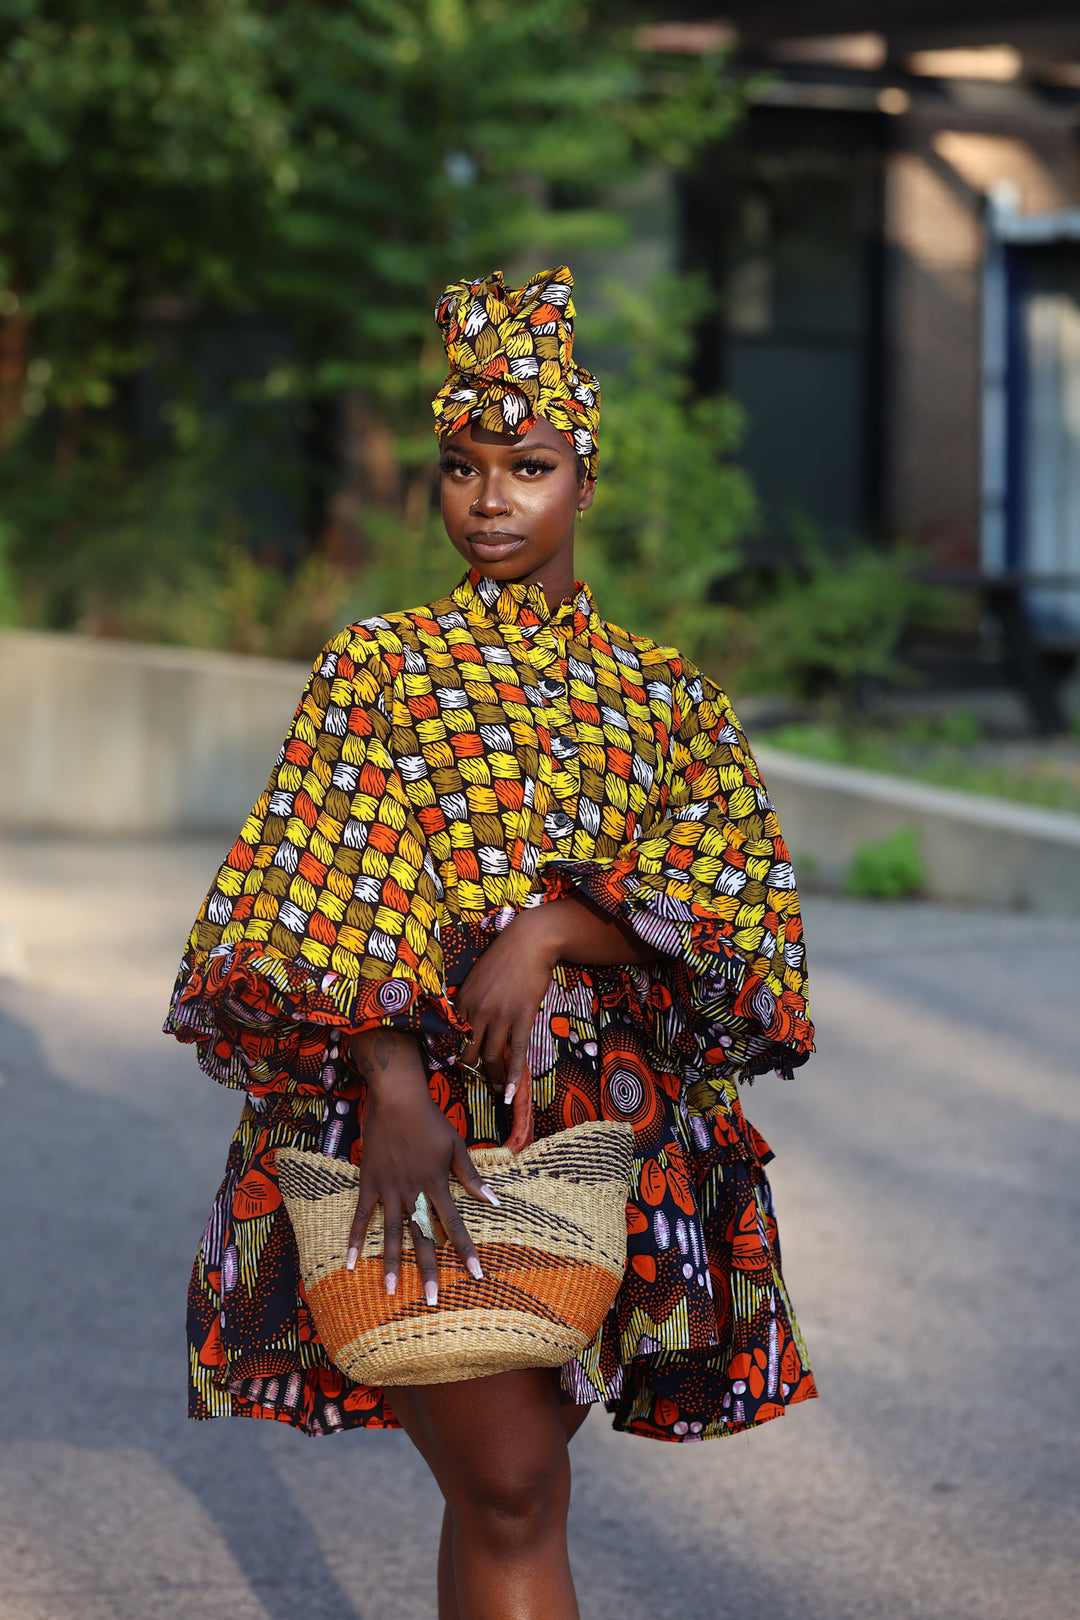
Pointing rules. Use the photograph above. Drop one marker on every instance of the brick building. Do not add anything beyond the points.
(895, 233)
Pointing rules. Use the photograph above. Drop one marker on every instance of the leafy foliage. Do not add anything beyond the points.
(145, 154)
(171, 165)
(671, 507)
(891, 869)
(825, 630)
(9, 606)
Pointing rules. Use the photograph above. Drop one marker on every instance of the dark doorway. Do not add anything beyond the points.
(786, 221)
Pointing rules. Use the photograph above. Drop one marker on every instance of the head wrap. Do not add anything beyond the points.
(511, 354)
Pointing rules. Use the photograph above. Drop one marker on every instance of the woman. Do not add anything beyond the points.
(509, 854)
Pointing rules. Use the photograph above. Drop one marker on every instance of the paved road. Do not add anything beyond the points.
(926, 1175)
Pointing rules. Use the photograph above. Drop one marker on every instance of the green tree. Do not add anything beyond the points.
(327, 165)
(671, 506)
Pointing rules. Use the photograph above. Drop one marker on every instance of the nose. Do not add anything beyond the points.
(491, 501)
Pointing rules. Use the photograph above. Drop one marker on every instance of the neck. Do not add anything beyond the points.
(555, 577)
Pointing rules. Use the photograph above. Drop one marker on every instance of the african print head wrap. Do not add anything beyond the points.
(511, 354)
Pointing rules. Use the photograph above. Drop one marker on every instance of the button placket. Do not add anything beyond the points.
(560, 765)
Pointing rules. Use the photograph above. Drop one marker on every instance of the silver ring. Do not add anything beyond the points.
(422, 1217)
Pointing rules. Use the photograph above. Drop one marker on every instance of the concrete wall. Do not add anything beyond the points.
(110, 737)
(106, 737)
(977, 850)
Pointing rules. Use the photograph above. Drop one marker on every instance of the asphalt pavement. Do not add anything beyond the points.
(926, 1178)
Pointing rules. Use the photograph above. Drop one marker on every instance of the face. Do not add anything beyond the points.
(509, 504)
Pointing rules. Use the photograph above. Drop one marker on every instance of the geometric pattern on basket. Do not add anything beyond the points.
(553, 1255)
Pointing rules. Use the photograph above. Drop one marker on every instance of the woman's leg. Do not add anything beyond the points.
(404, 1409)
(497, 1449)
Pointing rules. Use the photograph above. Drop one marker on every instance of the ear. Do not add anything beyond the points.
(585, 494)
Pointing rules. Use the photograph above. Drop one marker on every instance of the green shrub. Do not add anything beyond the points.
(672, 509)
(829, 627)
(9, 608)
(891, 869)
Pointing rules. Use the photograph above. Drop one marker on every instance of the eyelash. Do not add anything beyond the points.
(451, 464)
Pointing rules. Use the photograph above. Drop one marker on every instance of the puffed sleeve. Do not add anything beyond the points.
(710, 884)
(324, 918)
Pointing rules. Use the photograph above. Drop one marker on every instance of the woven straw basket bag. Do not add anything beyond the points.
(553, 1255)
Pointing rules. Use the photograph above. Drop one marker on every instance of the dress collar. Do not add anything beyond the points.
(524, 605)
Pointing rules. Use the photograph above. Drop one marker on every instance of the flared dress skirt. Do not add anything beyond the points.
(701, 1340)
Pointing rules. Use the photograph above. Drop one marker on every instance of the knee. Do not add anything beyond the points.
(515, 1504)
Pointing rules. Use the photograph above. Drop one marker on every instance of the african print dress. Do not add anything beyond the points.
(447, 767)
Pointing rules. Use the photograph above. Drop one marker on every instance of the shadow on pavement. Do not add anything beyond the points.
(98, 1218)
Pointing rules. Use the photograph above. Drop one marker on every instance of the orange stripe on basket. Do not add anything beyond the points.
(347, 1303)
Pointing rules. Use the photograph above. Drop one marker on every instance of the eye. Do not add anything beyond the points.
(450, 466)
(533, 466)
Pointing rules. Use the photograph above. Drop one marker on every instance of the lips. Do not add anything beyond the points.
(494, 543)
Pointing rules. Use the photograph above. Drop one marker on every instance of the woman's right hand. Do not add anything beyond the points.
(409, 1147)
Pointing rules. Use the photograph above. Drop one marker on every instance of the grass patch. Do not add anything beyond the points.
(951, 752)
(890, 869)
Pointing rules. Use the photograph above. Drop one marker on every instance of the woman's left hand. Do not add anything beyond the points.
(502, 995)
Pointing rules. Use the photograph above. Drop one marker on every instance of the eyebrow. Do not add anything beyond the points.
(519, 447)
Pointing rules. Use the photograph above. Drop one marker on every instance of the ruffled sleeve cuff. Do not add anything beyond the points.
(740, 1020)
(263, 1022)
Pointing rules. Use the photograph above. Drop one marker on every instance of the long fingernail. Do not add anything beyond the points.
(391, 1282)
(431, 1293)
(508, 1094)
(486, 1192)
(474, 1267)
(350, 1259)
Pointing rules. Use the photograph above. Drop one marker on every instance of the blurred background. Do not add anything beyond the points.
(828, 268)
(828, 261)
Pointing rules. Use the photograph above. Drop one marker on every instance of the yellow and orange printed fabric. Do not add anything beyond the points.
(511, 355)
(447, 767)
